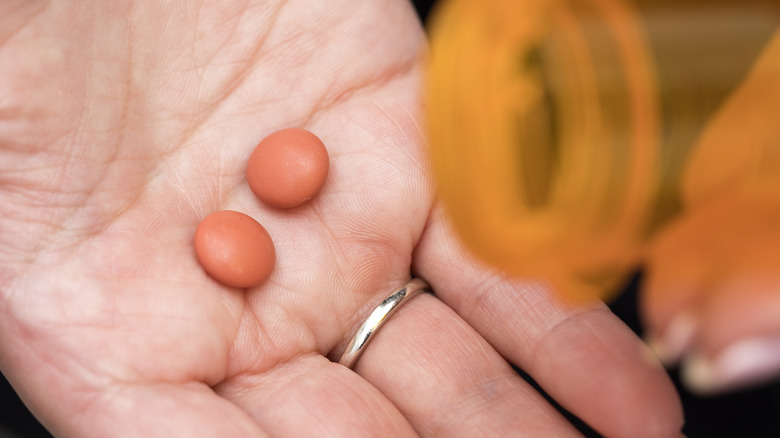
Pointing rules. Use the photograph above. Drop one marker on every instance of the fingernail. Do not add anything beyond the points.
(742, 364)
(675, 339)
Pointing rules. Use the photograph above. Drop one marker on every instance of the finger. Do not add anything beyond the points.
(582, 355)
(737, 338)
(692, 259)
(733, 310)
(311, 393)
(449, 382)
(140, 409)
(677, 276)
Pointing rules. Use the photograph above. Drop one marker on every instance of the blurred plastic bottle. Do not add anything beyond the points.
(562, 130)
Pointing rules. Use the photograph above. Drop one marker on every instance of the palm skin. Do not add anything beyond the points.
(122, 124)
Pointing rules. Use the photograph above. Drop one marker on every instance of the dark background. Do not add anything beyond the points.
(751, 413)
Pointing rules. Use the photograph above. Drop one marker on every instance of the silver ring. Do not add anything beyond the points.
(378, 317)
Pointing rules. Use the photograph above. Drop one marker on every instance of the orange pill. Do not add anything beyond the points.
(288, 168)
(234, 249)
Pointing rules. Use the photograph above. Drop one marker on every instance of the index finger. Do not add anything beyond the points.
(582, 355)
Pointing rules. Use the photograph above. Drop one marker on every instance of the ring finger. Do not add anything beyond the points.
(448, 381)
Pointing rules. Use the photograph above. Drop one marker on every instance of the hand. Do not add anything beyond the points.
(125, 123)
(712, 296)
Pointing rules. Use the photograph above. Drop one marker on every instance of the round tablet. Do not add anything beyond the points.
(287, 168)
(234, 249)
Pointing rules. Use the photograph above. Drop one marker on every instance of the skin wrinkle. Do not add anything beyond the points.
(330, 100)
(235, 333)
(382, 248)
(187, 206)
(477, 305)
(259, 336)
(458, 418)
(280, 330)
(88, 193)
(266, 363)
(236, 82)
(218, 101)
(121, 395)
(222, 193)
(22, 118)
(10, 32)
(582, 324)
(16, 174)
(422, 166)
(546, 331)
(569, 320)
(239, 385)
(203, 116)
(355, 315)
(388, 183)
(92, 194)
(231, 387)
(463, 382)
(307, 339)
(385, 246)
(529, 300)
(179, 324)
(33, 257)
(66, 372)
(335, 94)
(87, 397)
(353, 230)
(505, 339)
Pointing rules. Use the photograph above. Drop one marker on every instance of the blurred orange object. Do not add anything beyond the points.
(739, 150)
(559, 128)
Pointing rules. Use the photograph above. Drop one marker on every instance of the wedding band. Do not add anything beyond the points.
(378, 317)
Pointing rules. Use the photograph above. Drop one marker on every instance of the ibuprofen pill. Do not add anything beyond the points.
(234, 249)
(288, 168)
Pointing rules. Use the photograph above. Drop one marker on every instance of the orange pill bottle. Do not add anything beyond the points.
(561, 131)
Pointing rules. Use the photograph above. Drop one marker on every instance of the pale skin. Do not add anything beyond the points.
(711, 300)
(122, 124)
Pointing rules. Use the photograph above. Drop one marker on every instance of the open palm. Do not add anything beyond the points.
(122, 124)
